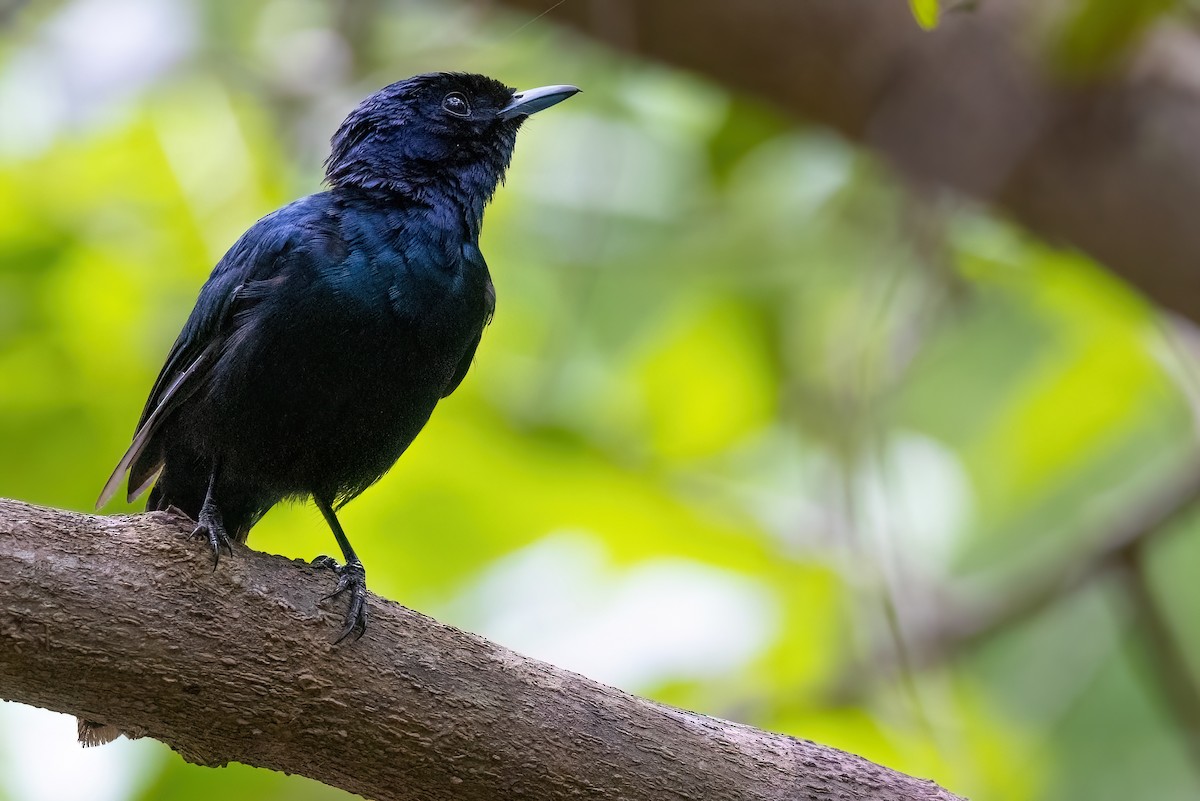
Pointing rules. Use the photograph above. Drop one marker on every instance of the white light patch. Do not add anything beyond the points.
(41, 760)
(794, 177)
(560, 600)
(108, 49)
(915, 502)
(35, 108)
(90, 59)
(628, 170)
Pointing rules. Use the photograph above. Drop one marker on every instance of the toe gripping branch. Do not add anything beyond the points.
(211, 525)
(352, 579)
(214, 532)
(352, 576)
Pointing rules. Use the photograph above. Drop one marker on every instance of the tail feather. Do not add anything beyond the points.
(91, 733)
(144, 458)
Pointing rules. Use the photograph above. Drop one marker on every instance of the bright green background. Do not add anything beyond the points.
(749, 412)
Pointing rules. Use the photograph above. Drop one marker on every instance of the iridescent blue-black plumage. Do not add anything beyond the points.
(323, 340)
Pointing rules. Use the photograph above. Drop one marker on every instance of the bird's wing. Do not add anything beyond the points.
(243, 276)
(464, 364)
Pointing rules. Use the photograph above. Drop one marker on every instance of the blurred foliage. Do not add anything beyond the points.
(749, 411)
(925, 12)
(1097, 34)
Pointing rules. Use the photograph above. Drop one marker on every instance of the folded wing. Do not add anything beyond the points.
(245, 274)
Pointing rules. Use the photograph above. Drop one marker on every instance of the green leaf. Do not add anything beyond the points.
(1099, 33)
(925, 12)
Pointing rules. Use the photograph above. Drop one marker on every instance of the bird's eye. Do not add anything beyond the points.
(456, 104)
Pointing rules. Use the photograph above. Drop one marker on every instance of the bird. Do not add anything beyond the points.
(324, 338)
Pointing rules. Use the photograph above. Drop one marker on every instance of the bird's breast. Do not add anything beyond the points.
(416, 286)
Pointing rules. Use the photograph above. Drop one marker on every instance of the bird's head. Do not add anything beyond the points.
(435, 133)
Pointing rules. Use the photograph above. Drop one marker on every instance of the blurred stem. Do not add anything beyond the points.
(1162, 651)
(880, 372)
(969, 622)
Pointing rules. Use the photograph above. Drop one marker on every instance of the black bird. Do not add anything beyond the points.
(324, 338)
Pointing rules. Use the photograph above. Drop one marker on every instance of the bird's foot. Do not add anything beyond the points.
(326, 563)
(212, 528)
(352, 578)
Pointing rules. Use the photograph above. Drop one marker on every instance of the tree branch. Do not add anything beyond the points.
(123, 620)
(1109, 165)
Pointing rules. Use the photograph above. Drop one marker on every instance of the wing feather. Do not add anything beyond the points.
(244, 276)
(464, 364)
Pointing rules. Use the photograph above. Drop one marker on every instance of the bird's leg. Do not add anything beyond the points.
(352, 576)
(211, 526)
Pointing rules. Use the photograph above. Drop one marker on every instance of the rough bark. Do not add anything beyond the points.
(124, 620)
(1108, 164)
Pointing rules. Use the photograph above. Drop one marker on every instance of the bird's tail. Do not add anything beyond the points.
(92, 733)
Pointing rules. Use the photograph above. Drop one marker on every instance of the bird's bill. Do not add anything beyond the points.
(532, 101)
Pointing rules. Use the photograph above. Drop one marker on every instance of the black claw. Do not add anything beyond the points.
(211, 529)
(352, 578)
(356, 618)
